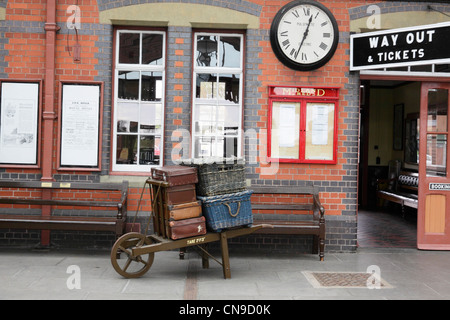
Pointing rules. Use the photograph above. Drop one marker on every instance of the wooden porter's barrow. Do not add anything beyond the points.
(140, 248)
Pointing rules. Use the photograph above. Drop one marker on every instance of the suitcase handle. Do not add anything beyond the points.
(229, 209)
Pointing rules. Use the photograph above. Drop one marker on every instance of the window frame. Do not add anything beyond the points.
(217, 70)
(139, 67)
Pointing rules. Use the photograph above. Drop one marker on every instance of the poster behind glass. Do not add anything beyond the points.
(19, 123)
(80, 125)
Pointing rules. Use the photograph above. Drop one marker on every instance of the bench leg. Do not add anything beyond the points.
(322, 248)
(315, 246)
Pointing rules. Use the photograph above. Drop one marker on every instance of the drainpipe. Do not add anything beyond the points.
(49, 114)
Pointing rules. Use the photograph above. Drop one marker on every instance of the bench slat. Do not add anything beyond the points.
(63, 185)
(303, 207)
(59, 223)
(59, 202)
(284, 190)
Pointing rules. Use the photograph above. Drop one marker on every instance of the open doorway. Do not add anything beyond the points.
(389, 150)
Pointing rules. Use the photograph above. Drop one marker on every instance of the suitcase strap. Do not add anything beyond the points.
(237, 211)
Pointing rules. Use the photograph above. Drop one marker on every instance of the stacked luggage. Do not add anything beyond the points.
(177, 205)
(202, 194)
(221, 188)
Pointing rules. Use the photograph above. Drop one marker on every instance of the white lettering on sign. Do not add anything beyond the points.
(439, 186)
(391, 40)
(197, 240)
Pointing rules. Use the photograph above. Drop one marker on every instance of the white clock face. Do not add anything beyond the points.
(305, 34)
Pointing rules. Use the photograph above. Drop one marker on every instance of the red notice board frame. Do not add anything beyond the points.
(303, 115)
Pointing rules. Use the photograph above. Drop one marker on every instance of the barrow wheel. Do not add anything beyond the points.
(132, 266)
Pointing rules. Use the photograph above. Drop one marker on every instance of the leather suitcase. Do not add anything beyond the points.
(186, 228)
(175, 175)
(179, 194)
(183, 211)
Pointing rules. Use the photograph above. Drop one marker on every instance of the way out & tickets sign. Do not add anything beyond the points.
(400, 47)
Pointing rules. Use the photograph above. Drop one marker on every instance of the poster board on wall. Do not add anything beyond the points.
(303, 124)
(19, 123)
(80, 123)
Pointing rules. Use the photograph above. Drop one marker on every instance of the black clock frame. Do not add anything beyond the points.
(277, 48)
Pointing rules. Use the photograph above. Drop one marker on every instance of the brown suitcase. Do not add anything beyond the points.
(179, 194)
(175, 175)
(183, 211)
(186, 228)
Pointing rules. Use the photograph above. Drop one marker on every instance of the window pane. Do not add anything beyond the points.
(230, 148)
(442, 68)
(230, 52)
(126, 149)
(437, 154)
(230, 117)
(206, 54)
(128, 85)
(149, 150)
(205, 118)
(152, 85)
(129, 48)
(152, 49)
(229, 87)
(206, 86)
(437, 110)
(127, 117)
(151, 118)
(209, 147)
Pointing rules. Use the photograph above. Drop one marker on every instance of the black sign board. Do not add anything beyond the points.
(400, 47)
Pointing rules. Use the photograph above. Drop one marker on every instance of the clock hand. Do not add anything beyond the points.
(304, 36)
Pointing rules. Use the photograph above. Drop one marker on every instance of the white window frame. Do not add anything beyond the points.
(137, 167)
(196, 102)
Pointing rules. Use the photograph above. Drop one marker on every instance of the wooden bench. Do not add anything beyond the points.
(315, 225)
(402, 189)
(114, 223)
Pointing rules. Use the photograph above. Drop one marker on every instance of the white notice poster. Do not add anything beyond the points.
(287, 128)
(320, 124)
(80, 125)
(19, 123)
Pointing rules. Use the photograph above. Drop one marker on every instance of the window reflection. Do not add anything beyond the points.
(218, 86)
(230, 52)
(206, 54)
(128, 85)
(152, 49)
(151, 87)
(129, 48)
(437, 132)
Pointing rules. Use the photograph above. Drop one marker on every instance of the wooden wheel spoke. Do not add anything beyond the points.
(125, 251)
(127, 264)
(141, 264)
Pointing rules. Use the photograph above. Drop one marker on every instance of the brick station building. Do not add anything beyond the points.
(191, 79)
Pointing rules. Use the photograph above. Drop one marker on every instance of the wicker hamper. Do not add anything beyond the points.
(228, 210)
(218, 176)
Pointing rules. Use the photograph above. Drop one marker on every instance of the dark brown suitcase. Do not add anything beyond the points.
(183, 211)
(186, 228)
(179, 194)
(175, 175)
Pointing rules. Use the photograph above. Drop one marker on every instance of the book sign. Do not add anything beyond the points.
(400, 47)
(439, 186)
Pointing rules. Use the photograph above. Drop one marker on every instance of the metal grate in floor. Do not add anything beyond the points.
(345, 280)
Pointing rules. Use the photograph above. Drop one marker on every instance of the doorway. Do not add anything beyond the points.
(389, 136)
